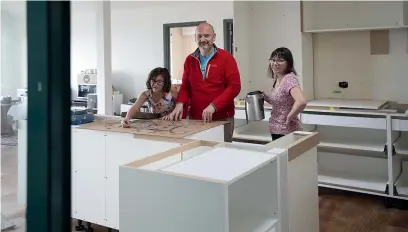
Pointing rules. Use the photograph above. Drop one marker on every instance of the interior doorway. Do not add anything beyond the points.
(179, 41)
(229, 35)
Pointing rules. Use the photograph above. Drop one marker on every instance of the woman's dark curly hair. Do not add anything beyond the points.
(166, 76)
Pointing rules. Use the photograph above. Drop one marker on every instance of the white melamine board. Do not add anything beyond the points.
(402, 182)
(255, 130)
(22, 163)
(344, 121)
(213, 164)
(162, 163)
(123, 148)
(215, 134)
(353, 181)
(353, 172)
(400, 124)
(183, 204)
(303, 193)
(253, 223)
(348, 103)
(155, 203)
(89, 154)
(401, 145)
(194, 152)
(353, 138)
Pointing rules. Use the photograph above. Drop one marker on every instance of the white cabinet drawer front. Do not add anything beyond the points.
(400, 124)
(345, 121)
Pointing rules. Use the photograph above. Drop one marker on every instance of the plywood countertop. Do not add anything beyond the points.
(155, 127)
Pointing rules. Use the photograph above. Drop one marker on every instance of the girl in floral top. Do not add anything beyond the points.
(160, 95)
(286, 97)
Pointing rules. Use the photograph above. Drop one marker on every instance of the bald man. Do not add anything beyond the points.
(210, 82)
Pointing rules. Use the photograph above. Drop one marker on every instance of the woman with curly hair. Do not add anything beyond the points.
(159, 94)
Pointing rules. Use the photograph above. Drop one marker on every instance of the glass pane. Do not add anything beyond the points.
(13, 114)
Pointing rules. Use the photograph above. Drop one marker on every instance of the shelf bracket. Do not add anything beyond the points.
(386, 150)
(395, 190)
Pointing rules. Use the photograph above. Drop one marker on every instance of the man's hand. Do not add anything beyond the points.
(177, 113)
(207, 113)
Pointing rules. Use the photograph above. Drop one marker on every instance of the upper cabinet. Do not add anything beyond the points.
(321, 16)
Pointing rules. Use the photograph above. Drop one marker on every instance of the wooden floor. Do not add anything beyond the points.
(339, 211)
(349, 212)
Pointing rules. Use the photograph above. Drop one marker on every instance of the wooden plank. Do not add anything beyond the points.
(155, 127)
(348, 103)
(379, 42)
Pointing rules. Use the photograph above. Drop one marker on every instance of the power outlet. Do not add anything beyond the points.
(343, 84)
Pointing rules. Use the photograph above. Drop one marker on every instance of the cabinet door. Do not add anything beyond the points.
(351, 15)
(376, 14)
(326, 15)
(88, 155)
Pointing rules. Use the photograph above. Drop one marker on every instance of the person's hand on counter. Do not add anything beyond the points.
(125, 123)
(176, 114)
(207, 113)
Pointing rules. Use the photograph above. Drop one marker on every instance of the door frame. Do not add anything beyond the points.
(227, 41)
(166, 39)
(48, 120)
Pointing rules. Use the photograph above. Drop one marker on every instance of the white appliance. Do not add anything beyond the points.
(87, 84)
(117, 100)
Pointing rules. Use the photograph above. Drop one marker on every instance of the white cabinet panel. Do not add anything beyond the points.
(352, 15)
(123, 148)
(88, 150)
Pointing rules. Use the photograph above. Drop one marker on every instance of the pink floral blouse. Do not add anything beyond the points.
(282, 103)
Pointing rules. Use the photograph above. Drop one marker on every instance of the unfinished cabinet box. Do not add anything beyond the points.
(218, 189)
(302, 174)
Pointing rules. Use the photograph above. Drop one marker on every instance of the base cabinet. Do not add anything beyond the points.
(221, 189)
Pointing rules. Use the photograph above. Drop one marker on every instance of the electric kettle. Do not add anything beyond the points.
(254, 106)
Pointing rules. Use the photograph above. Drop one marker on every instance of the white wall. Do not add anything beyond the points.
(261, 27)
(13, 48)
(137, 37)
(83, 41)
(346, 56)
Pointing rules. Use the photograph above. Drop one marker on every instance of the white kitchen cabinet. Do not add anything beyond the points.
(88, 154)
(221, 189)
(321, 16)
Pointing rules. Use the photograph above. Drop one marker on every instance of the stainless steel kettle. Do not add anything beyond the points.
(254, 106)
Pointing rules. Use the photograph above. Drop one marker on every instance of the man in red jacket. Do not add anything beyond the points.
(210, 82)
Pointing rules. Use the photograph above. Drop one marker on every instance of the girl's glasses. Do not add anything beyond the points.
(278, 61)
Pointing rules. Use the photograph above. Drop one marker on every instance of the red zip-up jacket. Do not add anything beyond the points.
(221, 85)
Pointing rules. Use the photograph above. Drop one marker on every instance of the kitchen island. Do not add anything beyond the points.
(100, 147)
(277, 194)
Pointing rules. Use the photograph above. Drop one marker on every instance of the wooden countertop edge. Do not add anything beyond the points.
(301, 146)
(89, 126)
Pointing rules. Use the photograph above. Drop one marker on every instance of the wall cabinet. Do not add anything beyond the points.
(353, 15)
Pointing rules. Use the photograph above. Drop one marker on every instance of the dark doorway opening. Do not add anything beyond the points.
(229, 35)
(166, 39)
